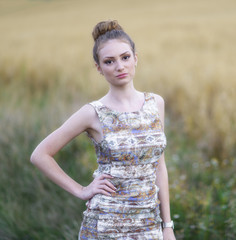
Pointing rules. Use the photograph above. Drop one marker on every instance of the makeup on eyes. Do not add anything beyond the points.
(108, 60)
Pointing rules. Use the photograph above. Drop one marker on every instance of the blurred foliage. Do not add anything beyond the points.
(186, 54)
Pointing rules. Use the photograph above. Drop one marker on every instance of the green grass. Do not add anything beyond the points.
(186, 54)
(202, 192)
(31, 207)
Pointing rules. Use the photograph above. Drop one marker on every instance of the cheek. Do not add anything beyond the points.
(132, 67)
(107, 70)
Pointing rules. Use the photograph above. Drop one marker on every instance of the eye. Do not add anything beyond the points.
(126, 57)
(108, 62)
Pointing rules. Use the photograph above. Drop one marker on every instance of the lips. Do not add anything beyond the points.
(123, 75)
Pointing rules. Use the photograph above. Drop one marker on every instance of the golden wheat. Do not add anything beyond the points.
(186, 53)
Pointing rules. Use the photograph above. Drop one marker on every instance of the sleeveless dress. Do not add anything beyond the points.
(129, 151)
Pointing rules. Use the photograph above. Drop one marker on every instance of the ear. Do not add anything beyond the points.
(99, 68)
(136, 59)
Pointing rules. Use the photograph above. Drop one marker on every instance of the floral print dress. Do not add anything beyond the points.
(129, 151)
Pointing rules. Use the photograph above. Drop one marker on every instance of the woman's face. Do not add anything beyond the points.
(117, 62)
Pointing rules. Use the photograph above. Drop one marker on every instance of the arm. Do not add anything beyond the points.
(162, 181)
(42, 157)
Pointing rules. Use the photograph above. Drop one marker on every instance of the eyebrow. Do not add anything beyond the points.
(120, 55)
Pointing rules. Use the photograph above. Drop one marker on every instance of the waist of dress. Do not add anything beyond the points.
(134, 213)
(132, 195)
(127, 171)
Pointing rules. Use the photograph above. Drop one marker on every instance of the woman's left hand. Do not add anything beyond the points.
(168, 234)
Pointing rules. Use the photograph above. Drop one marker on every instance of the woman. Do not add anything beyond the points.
(127, 129)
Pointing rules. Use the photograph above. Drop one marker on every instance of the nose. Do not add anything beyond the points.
(119, 66)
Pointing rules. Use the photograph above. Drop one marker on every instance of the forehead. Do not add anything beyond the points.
(113, 48)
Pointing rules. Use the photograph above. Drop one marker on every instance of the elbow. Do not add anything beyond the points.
(33, 158)
(38, 156)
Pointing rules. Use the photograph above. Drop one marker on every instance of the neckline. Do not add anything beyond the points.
(131, 112)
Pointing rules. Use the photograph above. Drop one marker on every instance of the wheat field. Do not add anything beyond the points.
(186, 51)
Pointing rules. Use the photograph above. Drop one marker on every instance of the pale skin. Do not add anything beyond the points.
(117, 64)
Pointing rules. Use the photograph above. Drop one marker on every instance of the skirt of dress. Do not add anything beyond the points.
(94, 229)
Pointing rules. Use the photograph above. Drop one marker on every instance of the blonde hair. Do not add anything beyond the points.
(108, 30)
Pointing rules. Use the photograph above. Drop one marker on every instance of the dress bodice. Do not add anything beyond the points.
(130, 138)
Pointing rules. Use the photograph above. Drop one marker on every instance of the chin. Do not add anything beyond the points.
(123, 81)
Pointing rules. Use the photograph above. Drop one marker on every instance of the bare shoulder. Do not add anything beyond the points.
(84, 117)
(86, 111)
(161, 107)
(77, 123)
(160, 101)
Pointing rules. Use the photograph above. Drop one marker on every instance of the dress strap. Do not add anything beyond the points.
(106, 117)
(151, 103)
(98, 108)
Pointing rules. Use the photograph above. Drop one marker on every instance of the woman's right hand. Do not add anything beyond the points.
(100, 184)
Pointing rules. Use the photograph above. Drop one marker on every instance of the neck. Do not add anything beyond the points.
(122, 94)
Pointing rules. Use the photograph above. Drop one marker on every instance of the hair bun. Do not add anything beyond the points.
(105, 26)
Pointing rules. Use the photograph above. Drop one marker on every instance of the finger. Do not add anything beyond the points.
(104, 175)
(108, 189)
(109, 184)
(104, 193)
